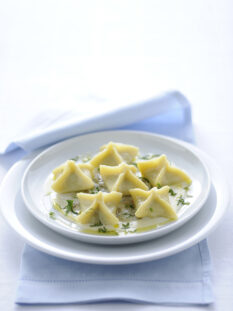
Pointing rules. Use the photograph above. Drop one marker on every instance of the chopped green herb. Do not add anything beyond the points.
(86, 159)
(52, 215)
(102, 230)
(128, 214)
(158, 186)
(125, 226)
(94, 190)
(151, 209)
(130, 206)
(171, 191)
(97, 224)
(133, 163)
(70, 207)
(133, 231)
(75, 159)
(146, 181)
(144, 157)
(181, 201)
(186, 188)
(149, 156)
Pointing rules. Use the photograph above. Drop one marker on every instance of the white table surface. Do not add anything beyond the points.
(56, 52)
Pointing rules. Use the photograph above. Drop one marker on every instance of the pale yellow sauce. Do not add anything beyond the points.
(55, 204)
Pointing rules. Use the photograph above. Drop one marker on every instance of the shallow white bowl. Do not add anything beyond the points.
(176, 151)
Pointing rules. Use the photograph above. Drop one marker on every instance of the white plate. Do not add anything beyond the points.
(37, 172)
(48, 241)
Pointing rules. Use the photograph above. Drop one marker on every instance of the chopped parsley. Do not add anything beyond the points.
(133, 231)
(52, 215)
(181, 201)
(186, 188)
(149, 156)
(102, 230)
(70, 207)
(75, 159)
(94, 190)
(97, 224)
(130, 206)
(146, 181)
(125, 226)
(128, 214)
(133, 163)
(86, 159)
(158, 186)
(151, 209)
(171, 191)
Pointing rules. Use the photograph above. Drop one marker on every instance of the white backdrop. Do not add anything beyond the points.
(62, 54)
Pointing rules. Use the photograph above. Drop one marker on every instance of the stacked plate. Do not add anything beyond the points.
(22, 189)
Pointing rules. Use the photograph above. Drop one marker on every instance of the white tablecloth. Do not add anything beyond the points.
(66, 52)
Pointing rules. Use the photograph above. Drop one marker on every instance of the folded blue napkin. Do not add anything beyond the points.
(183, 278)
(53, 126)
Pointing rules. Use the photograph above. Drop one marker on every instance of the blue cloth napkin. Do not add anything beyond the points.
(56, 126)
(183, 278)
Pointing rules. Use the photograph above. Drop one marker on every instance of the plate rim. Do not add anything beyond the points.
(186, 244)
(117, 240)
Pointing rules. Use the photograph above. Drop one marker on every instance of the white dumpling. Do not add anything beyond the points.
(127, 152)
(100, 207)
(71, 177)
(121, 178)
(159, 171)
(153, 203)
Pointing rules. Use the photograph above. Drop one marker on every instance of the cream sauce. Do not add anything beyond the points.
(56, 206)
